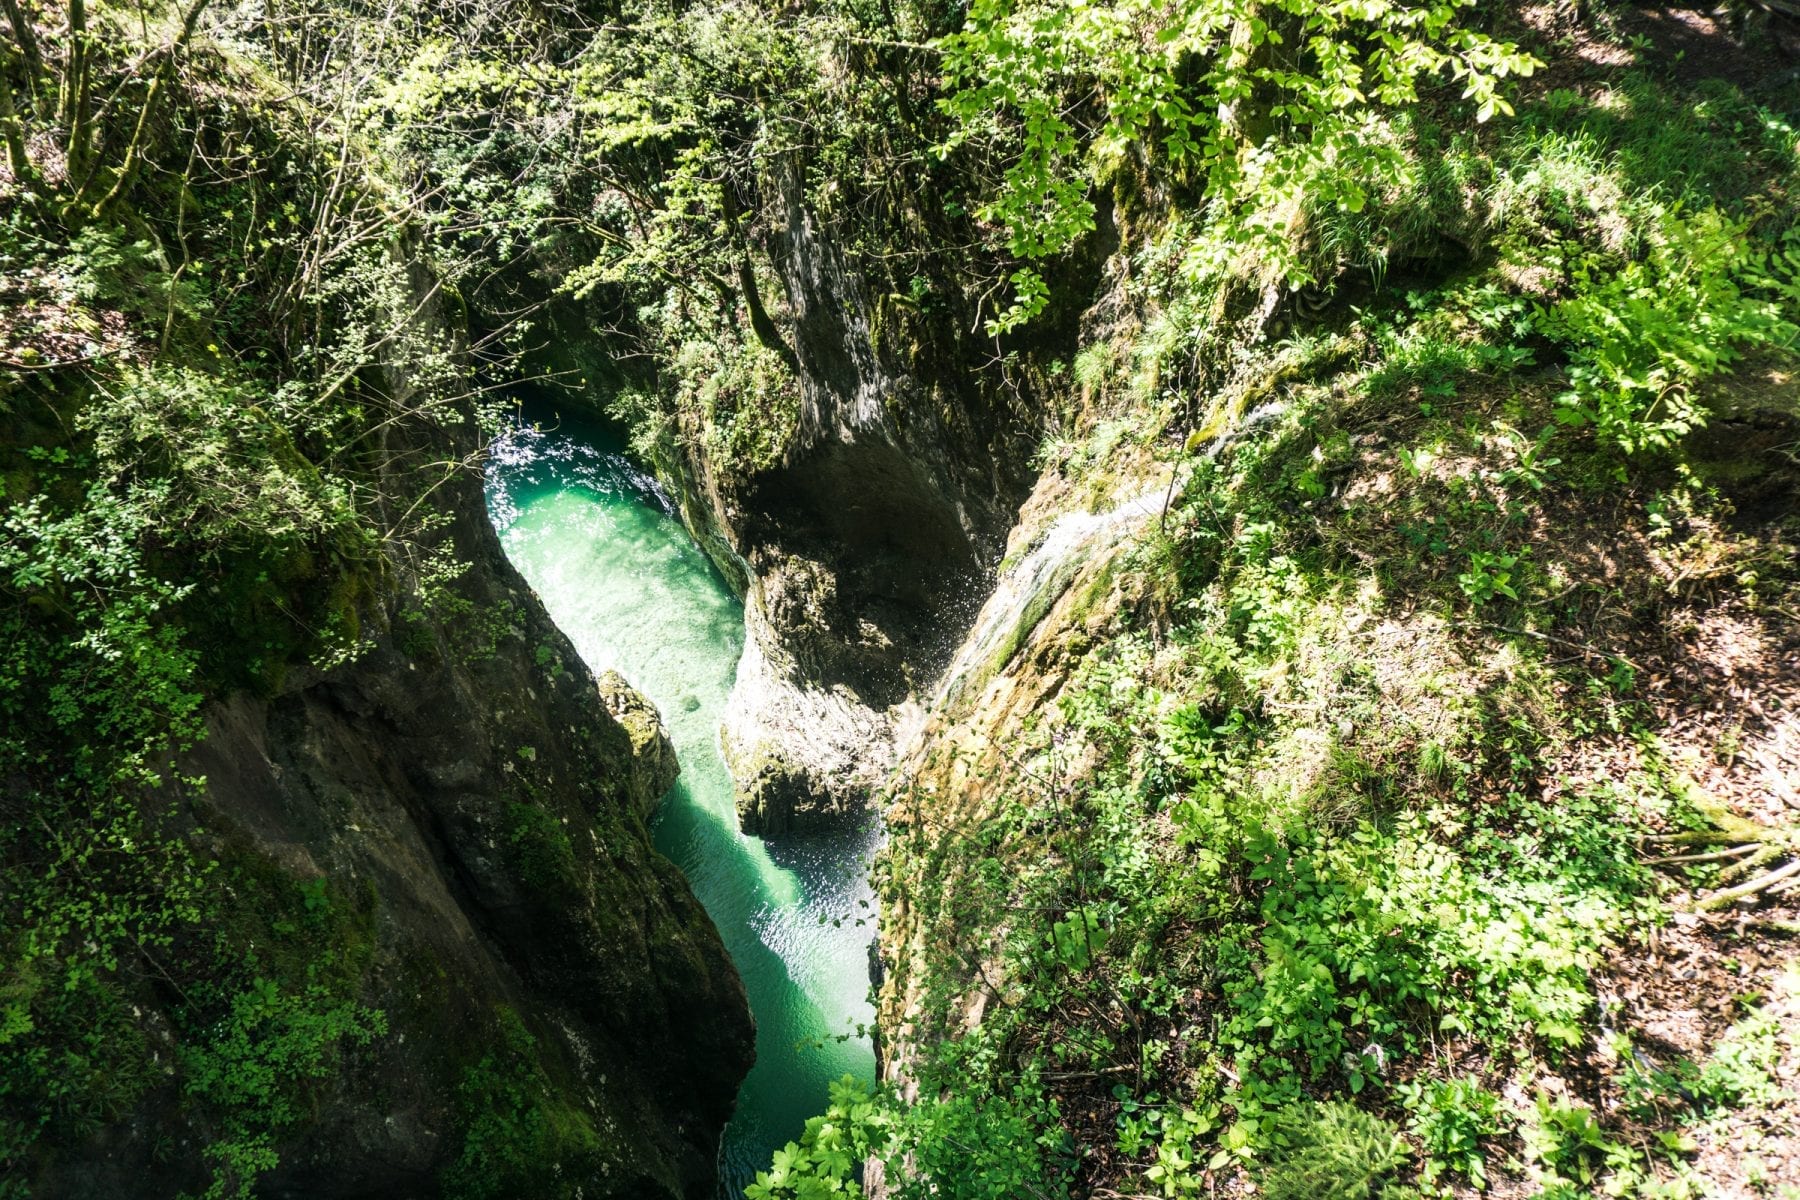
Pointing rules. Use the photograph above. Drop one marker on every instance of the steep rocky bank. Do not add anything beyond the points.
(557, 1005)
(1081, 580)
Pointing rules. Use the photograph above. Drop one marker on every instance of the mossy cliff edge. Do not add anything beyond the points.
(416, 896)
(323, 859)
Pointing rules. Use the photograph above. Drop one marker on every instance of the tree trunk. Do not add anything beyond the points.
(12, 131)
(75, 94)
(134, 150)
(28, 47)
(761, 323)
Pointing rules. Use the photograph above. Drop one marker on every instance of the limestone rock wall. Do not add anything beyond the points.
(865, 553)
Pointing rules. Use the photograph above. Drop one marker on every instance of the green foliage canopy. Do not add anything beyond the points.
(1260, 106)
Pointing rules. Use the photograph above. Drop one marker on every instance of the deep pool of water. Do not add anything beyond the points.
(600, 542)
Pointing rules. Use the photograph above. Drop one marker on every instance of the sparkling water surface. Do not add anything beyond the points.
(600, 542)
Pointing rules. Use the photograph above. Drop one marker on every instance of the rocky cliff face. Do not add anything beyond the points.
(863, 554)
(561, 1016)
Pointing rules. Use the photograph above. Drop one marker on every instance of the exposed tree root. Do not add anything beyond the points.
(1759, 860)
(1716, 856)
(1760, 884)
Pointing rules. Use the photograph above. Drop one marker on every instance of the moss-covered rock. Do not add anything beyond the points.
(650, 765)
(476, 823)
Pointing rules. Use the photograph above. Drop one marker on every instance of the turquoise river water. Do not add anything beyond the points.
(600, 542)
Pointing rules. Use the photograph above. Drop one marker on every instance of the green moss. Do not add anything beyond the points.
(540, 854)
(521, 1136)
(736, 400)
(301, 928)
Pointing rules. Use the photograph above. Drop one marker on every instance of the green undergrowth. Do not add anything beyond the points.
(520, 1135)
(138, 959)
(270, 1014)
(1298, 878)
(1256, 873)
(214, 471)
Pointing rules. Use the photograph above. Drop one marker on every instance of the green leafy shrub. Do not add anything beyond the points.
(825, 1160)
(109, 267)
(1641, 334)
(1267, 134)
(255, 1062)
(990, 1148)
(233, 472)
(1367, 932)
(54, 1086)
(1451, 1118)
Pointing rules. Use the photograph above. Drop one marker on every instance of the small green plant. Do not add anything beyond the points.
(1178, 1147)
(1568, 1142)
(539, 850)
(1451, 1117)
(1077, 938)
(1740, 1072)
(1330, 1151)
(1174, 1135)
(1534, 461)
(547, 659)
(1490, 574)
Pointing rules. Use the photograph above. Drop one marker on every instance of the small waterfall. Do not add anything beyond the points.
(1029, 588)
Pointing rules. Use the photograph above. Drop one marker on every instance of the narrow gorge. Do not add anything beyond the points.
(899, 599)
(600, 543)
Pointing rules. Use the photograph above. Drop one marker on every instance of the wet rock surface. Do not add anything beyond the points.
(864, 554)
(803, 757)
